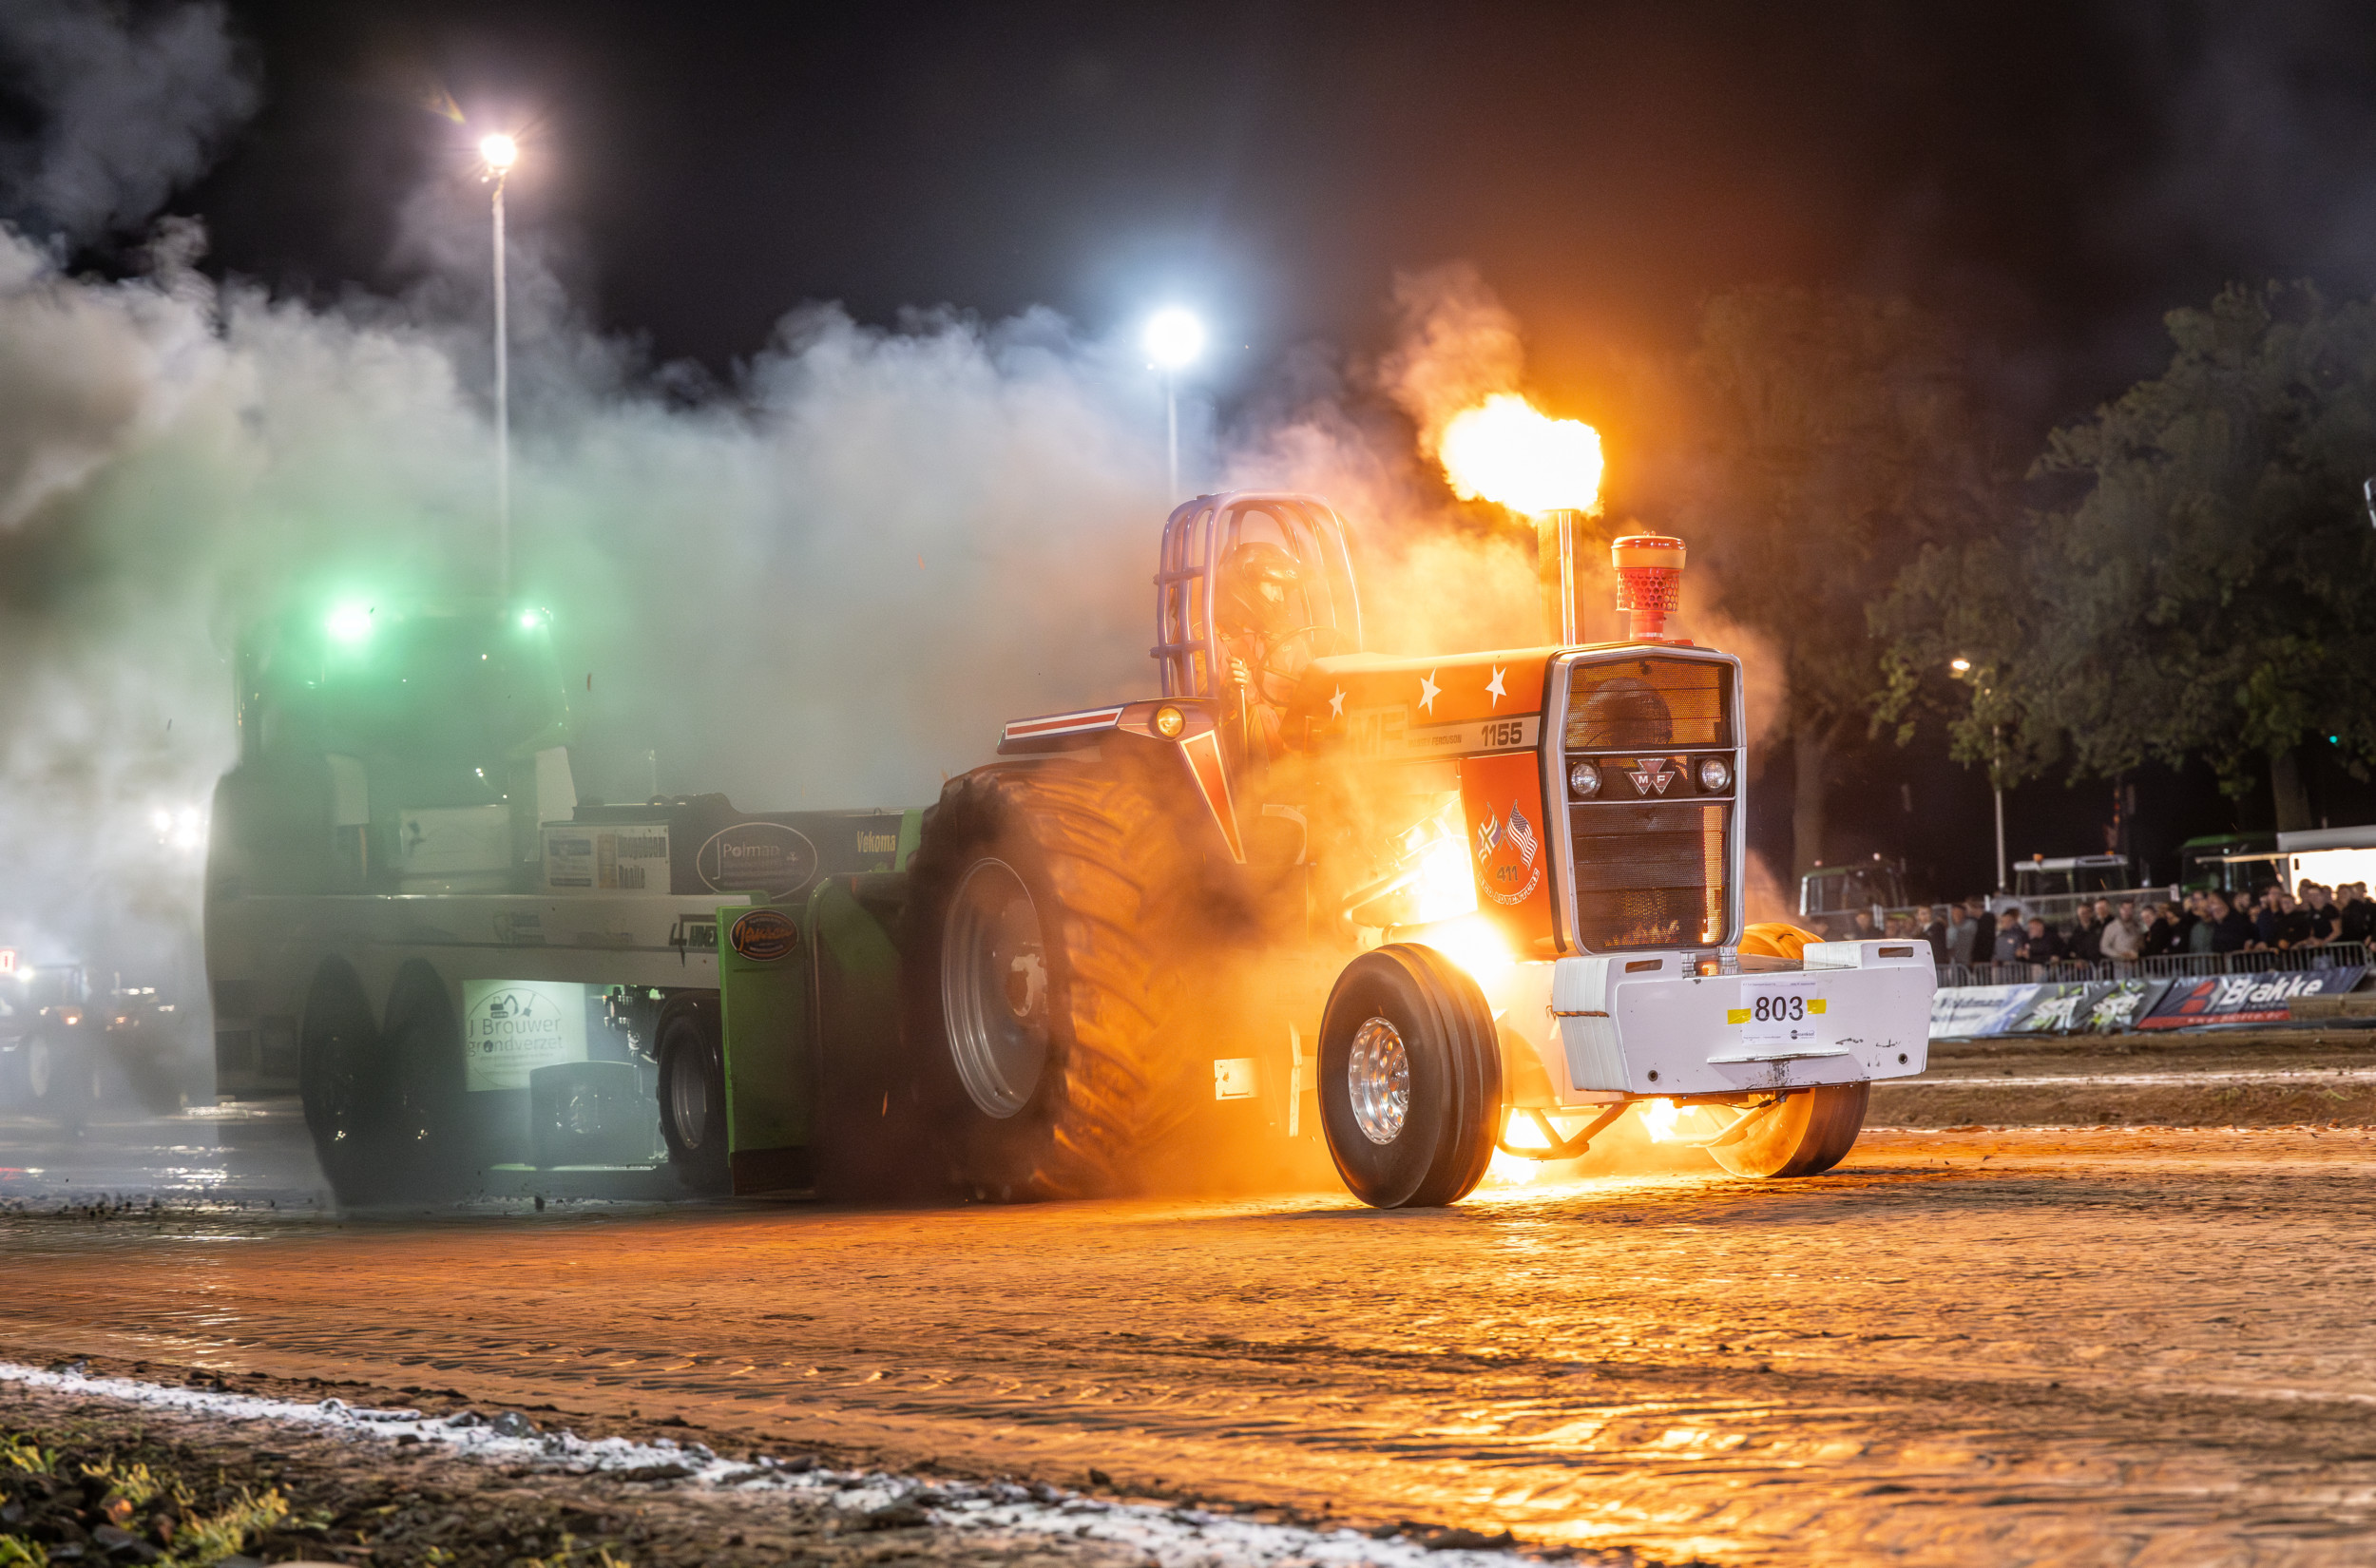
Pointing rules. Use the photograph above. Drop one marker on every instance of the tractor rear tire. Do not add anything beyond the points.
(1049, 929)
(1807, 1133)
(693, 1093)
(1411, 1079)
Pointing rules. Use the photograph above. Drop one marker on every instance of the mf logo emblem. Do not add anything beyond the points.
(1651, 775)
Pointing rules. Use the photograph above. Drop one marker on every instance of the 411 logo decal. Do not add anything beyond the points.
(1509, 858)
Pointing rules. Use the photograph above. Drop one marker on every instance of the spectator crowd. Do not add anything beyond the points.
(2271, 919)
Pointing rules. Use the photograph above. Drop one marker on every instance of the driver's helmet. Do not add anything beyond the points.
(1257, 578)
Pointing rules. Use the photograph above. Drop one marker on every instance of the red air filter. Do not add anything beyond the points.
(1649, 581)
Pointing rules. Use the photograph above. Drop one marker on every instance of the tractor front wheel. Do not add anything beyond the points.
(1411, 1079)
(1806, 1135)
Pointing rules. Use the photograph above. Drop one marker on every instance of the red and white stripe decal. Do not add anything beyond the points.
(1075, 723)
(1205, 760)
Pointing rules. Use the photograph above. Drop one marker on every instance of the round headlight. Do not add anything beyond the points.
(1169, 721)
(1584, 779)
(1715, 774)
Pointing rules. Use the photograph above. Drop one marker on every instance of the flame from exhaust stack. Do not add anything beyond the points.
(1507, 451)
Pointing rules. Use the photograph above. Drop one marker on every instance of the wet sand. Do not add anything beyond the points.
(2065, 1344)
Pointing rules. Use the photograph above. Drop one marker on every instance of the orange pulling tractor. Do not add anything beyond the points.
(1514, 877)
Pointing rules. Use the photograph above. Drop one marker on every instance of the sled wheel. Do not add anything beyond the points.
(1807, 1133)
(429, 1153)
(61, 1079)
(341, 1081)
(693, 1093)
(1411, 1079)
(1047, 929)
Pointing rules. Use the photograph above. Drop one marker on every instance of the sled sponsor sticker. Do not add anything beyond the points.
(625, 860)
(763, 857)
(763, 935)
(511, 1028)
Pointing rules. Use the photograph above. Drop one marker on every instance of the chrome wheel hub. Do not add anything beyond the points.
(994, 989)
(1377, 1073)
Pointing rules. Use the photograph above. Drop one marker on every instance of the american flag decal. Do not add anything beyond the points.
(1489, 834)
(1522, 834)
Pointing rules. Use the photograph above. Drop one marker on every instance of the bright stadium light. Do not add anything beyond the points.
(500, 151)
(1174, 339)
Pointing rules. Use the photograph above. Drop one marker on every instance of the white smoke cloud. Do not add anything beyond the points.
(131, 104)
(828, 589)
(827, 584)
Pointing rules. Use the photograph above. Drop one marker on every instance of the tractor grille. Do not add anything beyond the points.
(1659, 703)
(1649, 876)
(1653, 852)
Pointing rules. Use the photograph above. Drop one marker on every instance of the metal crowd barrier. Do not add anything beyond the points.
(2330, 955)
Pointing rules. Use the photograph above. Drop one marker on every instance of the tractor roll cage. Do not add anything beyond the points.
(1200, 533)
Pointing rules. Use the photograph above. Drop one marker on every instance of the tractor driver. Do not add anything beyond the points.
(1266, 650)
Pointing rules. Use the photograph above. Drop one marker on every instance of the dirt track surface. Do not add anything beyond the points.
(2041, 1346)
(2215, 1077)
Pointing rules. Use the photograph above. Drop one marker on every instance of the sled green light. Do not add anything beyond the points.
(350, 623)
(530, 620)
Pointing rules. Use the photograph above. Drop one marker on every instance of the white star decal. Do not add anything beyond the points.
(1428, 689)
(1336, 704)
(1494, 686)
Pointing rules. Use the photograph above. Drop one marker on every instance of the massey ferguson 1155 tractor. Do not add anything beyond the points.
(1518, 873)
(1424, 907)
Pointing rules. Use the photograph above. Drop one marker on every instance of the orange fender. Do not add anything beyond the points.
(1776, 939)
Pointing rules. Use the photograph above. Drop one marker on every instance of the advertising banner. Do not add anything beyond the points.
(2243, 998)
(1975, 1012)
(2055, 1007)
(2119, 1004)
(511, 1028)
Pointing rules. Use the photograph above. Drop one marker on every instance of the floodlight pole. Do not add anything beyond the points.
(503, 412)
(1171, 423)
(1996, 782)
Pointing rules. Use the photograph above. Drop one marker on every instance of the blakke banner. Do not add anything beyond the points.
(2244, 999)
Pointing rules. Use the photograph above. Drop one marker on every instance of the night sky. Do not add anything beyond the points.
(2052, 177)
(2055, 176)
